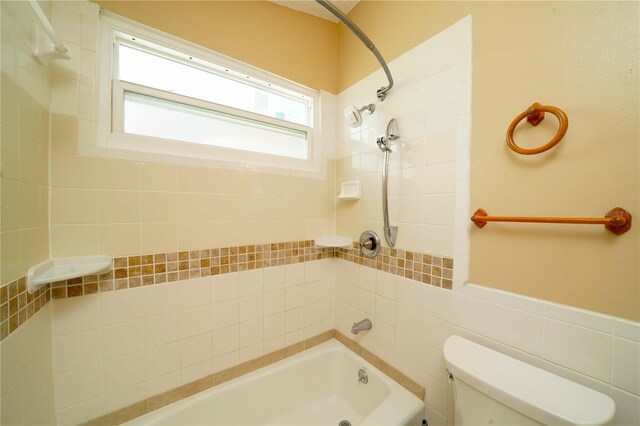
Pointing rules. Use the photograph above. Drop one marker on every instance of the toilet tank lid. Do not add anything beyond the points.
(537, 393)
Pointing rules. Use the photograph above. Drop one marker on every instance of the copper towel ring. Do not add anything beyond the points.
(535, 114)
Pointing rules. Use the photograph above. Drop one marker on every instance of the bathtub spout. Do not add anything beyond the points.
(359, 326)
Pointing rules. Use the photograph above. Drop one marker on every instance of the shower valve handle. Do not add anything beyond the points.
(368, 244)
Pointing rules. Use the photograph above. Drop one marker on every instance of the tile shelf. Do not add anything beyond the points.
(350, 190)
(58, 269)
(334, 241)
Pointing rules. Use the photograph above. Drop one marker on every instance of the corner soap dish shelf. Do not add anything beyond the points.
(334, 241)
(59, 269)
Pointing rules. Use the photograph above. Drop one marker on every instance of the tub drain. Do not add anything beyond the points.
(344, 423)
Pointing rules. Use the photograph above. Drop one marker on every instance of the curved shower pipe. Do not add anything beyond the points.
(382, 92)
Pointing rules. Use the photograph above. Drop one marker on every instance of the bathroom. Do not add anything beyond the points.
(215, 269)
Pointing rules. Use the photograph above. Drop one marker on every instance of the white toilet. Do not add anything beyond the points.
(494, 389)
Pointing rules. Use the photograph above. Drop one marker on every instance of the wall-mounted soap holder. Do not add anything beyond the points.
(335, 241)
(59, 269)
(350, 190)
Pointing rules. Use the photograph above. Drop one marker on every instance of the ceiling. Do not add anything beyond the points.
(312, 8)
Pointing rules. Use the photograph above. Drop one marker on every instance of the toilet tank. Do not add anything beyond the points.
(491, 388)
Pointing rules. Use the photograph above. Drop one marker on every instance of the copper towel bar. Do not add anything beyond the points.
(617, 220)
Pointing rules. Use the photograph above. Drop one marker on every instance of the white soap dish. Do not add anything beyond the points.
(59, 269)
(350, 190)
(334, 241)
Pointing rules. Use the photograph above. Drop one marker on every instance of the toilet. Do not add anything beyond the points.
(491, 388)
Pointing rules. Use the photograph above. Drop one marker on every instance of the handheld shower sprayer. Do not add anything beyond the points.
(353, 115)
(384, 143)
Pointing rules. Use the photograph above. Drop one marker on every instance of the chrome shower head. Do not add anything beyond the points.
(353, 115)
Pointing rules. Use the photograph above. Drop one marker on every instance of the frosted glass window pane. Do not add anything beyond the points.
(151, 70)
(150, 116)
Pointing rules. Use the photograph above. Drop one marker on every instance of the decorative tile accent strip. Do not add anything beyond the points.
(17, 305)
(159, 268)
(425, 268)
(158, 401)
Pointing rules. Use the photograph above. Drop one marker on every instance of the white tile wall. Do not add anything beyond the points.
(625, 372)
(431, 104)
(26, 369)
(585, 350)
(25, 145)
(116, 348)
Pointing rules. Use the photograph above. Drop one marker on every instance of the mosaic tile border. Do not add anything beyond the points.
(161, 400)
(160, 268)
(425, 268)
(17, 305)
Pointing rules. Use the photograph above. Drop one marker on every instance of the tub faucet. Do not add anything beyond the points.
(359, 326)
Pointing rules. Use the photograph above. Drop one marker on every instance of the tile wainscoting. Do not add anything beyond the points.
(159, 322)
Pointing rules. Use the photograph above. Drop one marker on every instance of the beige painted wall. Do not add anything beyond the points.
(580, 56)
(292, 44)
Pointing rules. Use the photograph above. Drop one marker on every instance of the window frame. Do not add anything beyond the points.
(110, 135)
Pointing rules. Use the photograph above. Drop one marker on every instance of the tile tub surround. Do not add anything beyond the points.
(145, 339)
(17, 305)
(116, 348)
(189, 389)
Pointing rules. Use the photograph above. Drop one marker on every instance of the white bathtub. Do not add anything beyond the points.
(316, 387)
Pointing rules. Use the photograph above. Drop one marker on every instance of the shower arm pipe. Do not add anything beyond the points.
(382, 92)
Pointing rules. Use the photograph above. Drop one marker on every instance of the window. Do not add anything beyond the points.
(162, 95)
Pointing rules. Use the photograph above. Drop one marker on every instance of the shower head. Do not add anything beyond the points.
(353, 115)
